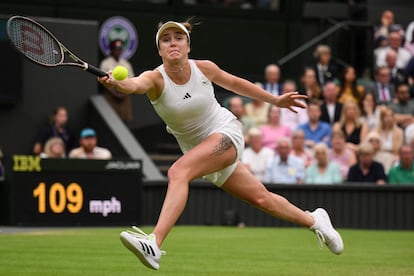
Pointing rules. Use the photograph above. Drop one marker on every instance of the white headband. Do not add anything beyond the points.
(171, 24)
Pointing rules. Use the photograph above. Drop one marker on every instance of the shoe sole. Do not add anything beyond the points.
(128, 242)
(338, 236)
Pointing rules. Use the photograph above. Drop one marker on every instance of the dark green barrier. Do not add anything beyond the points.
(359, 206)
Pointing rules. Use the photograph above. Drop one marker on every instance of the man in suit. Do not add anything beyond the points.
(331, 109)
(397, 74)
(324, 68)
(272, 77)
(382, 88)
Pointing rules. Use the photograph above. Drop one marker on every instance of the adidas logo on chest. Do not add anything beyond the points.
(187, 96)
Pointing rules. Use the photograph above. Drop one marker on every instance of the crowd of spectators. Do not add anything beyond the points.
(354, 130)
(56, 140)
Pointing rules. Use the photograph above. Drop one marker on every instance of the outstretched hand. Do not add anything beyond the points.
(290, 99)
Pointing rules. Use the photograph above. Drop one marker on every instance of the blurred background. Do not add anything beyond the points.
(241, 36)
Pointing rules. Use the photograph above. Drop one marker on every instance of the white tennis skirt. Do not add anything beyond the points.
(233, 130)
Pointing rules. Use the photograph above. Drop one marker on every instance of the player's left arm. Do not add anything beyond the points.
(246, 88)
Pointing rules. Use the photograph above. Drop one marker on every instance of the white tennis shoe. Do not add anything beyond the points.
(325, 232)
(143, 246)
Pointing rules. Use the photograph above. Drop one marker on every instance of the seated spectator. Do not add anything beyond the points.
(391, 135)
(395, 40)
(387, 159)
(272, 77)
(341, 154)
(315, 130)
(382, 44)
(284, 168)
(257, 110)
(409, 42)
(409, 75)
(397, 74)
(255, 157)
(324, 68)
(310, 85)
(409, 37)
(369, 111)
(54, 148)
(404, 107)
(299, 149)
(331, 109)
(56, 128)
(274, 129)
(289, 118)
(348, 89)
(88, 147)
(382, 88)
(403, 173)
(236, 106)
(351, 125)
(321, 171)
(383, 28)
(366, 170)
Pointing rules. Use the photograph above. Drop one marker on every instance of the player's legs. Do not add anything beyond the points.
(213, 154)
(245, 186)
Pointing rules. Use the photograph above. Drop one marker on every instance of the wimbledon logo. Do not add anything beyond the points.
(118, 27)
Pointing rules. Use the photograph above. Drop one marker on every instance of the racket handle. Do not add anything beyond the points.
(96, 71)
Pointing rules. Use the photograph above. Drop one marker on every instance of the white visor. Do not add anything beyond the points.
(171, 24)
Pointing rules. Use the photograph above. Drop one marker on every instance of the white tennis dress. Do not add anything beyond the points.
(192, 113)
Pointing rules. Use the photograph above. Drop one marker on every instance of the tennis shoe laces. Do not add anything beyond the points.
(325, 232)
(143, 246)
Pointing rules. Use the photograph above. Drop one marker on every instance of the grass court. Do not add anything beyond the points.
(207, 250)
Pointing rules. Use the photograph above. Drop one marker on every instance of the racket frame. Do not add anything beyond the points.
(64, 52)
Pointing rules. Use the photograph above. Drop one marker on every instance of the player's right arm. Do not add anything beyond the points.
(149, 82)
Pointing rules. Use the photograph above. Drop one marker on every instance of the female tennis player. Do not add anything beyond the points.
(181, 91)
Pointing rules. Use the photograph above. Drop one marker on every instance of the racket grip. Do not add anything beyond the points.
(96, 71)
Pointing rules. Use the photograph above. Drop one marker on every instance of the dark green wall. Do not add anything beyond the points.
(242, 41)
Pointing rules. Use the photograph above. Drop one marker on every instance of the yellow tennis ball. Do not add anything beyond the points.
(120, 73)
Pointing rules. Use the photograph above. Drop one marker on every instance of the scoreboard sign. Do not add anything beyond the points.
(75, 191)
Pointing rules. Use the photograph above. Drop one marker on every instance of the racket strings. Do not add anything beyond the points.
(35, 43)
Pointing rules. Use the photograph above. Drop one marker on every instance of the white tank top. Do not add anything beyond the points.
(190, 111)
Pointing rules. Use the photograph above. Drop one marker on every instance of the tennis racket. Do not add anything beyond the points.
(40, 46)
